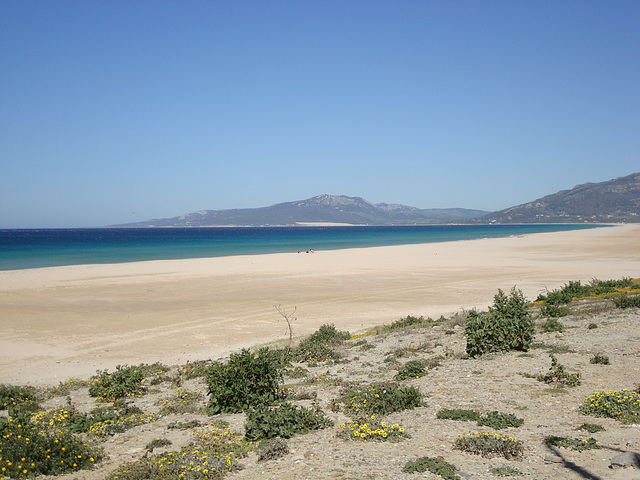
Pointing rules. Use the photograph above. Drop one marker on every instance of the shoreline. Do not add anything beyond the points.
(63, 322)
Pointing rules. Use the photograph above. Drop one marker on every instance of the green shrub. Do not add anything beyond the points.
(195, 369)
(18, 399)
(317, 347)
(507, 326)
(552, 325)
(247, 380)
(506, 471)
(436, 466)
(27, 450)
(183, 401)
(285, 421)
(596, 287)
(627, 301)
(591, 427)
(379, 399)
(157, 443)
(599, 359)
(272, 449)
(490, 444)
(592, 325)
(412, 369)
(458, 414)
(126, 381)
(558, 375)
(553, 311)
(410, 321)
(621, 405)
(499, 421)
(572, 443)
(371, 428)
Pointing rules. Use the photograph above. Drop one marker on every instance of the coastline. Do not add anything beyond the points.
(62, 322)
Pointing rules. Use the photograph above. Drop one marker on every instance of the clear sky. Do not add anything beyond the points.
(122, 111)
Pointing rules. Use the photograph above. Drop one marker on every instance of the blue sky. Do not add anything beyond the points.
(122, 111)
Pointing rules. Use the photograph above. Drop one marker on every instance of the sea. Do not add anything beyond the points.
(36, 248)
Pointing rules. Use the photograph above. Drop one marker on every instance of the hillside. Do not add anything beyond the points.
(613, 201)
(169, 415)
(320, 209)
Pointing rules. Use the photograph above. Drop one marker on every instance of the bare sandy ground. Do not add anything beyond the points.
(67, 322)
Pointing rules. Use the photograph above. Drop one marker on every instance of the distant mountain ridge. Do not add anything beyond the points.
(334, 209)
(613, 201)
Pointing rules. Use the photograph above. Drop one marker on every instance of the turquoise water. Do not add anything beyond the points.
(21, 249)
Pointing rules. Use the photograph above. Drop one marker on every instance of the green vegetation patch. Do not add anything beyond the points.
(507, 326)
(413, 369)
(319, 346)
(575, 289)
(246, 381)
(500, 421)
(18, 399)
(558, 376)
(372, 428)
(622, 405)
(285, 421)
(458, 414)
(572, 443)
(489, 444)
(436, 466)
(26, 450)
(379, 399)
(552, 325)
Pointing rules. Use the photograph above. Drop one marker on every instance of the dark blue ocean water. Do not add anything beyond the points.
(20, 249)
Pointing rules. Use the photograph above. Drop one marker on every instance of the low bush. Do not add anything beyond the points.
(371, 428)
(285, 421)
(627, 301)
(490, 444)
(183, 401)
(272, 449)
(436, 466)
(591, 427)
(458, 414)
(621, 405)
(317, 347)
(506, 471)
(553, 311)
(379, 399)
(572, 443)
(211, 456)
(126, 381)
(575, 289)
(157, 443)
(558, 376)
(495, 420)
(412, 369)
(552, 325)
(507, 326)
(598, 359)
(500, 421)
(18, 399)
(410, 321)
(27, 450)
(246, 381)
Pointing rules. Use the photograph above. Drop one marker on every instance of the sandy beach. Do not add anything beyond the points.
(67, 322)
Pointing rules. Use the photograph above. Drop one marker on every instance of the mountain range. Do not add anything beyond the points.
(613, 201)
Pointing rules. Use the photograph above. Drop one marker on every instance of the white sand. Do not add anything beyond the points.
(70, 321)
